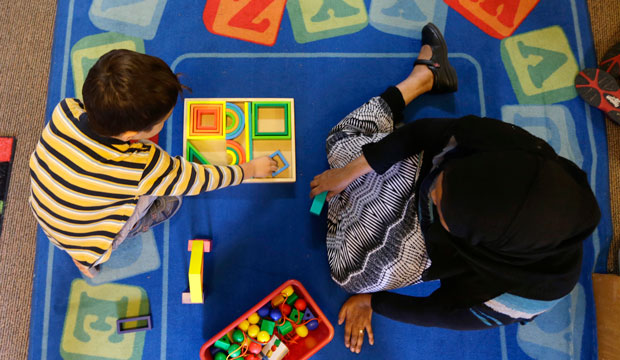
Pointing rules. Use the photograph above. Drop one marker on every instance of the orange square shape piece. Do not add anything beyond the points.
(497, 18)
(198, 112)
(256, 21)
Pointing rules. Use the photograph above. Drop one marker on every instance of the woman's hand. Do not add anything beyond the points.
(335, 180)
(357, 313)
(262, 166)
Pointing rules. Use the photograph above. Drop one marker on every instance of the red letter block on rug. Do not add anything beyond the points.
(498, 18)
(257, 21)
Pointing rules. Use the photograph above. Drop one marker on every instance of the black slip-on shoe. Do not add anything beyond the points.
(445, 79)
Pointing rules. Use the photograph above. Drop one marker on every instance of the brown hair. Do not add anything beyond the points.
(128, 91)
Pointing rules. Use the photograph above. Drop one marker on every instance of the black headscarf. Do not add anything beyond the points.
(517, 218)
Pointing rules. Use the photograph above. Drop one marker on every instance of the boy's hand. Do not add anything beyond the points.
(263, 166)
(83, 269)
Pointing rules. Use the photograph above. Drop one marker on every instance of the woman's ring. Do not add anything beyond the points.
(362, 331)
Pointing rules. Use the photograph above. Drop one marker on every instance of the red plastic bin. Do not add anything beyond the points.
(303, 348)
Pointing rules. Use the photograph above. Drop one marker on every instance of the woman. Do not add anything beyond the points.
(485, 207)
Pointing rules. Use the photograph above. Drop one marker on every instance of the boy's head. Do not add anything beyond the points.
(126, 92)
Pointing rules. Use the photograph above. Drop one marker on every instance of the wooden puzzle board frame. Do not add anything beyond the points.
(214, 148)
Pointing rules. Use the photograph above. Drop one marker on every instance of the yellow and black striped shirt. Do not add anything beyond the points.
(84, 187)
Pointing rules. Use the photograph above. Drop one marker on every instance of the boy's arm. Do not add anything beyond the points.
(165, 175)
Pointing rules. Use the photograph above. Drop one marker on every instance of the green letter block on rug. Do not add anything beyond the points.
(90, 324)
(313, 20)
(540, 65)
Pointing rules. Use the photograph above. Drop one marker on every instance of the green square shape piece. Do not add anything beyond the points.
(286, 134)
(316, 20)
(540, 65)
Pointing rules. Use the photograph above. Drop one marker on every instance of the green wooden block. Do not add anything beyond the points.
(267, 325)
(285, 328)
(291, 299)
(222, 343)
(317, 203)
(296, 316)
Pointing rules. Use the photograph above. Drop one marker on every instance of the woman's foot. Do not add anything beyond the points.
(420, 80)
(432, 71)
(444, 75)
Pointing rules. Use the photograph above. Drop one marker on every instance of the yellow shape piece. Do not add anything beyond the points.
(246, 130)
(196, 263)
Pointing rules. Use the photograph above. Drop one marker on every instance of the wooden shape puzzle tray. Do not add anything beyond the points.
(229, 131)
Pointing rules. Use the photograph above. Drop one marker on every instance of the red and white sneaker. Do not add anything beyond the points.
(601, 90)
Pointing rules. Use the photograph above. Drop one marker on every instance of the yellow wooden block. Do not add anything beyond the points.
(196, 263)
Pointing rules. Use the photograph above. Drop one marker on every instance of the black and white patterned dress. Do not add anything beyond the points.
(374, 241)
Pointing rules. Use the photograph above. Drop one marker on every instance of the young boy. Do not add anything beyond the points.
(91, 187)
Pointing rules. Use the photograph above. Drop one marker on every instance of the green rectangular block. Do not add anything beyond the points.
(291, 299)
(317, 203)
(285, 328)
(267, 325)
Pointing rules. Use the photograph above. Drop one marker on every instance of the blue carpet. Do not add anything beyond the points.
(518, 68)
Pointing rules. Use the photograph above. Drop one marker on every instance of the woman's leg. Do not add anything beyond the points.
(375, 119)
